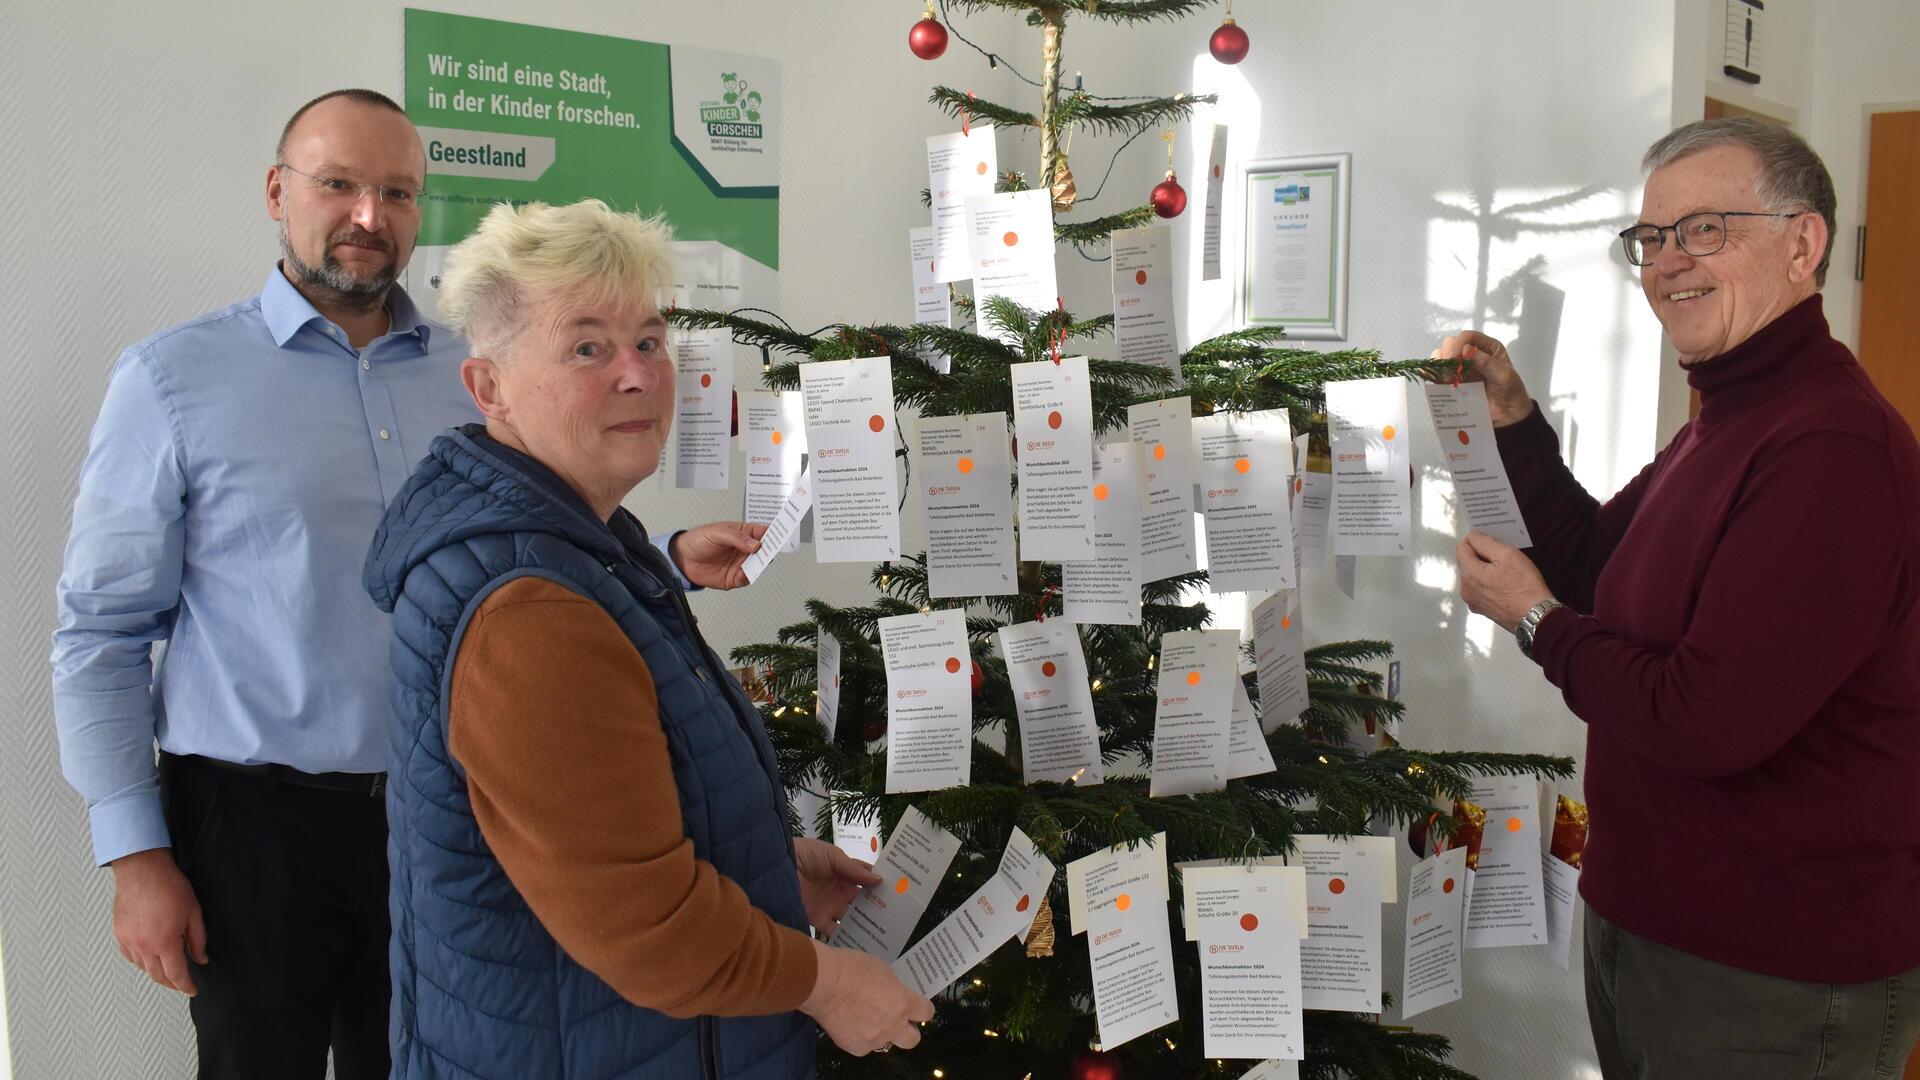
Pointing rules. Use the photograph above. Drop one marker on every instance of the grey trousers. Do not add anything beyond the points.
(1662, 1014)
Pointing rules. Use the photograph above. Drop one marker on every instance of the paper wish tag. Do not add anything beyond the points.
(960, 165)
(1340, 960)
(1193, 715)
(826, 675)
(1011, 245)
(857, 834)
(1059, 740)
(1003, 907)
(775, 446)
(931, 302)
(1131, 956)
(1507, 906)
(1247, 922)
(703, 408)
(1163, 430)
(1215, 197)
(911, 865)
(1053, 425)
(1143, 325)
(1246, 468)
(1202, 882)
(1247, 752)
(929, 701)
(961, 468)
(1372, 504)
(784, 527)
(1279, 656)
(1313, 499)
(1430, 973)
(1106, 588)
(1119, 877)
(1465, 427)
(856, 511)
(1561, 875)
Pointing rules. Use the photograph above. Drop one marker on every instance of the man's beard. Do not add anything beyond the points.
(339, 285)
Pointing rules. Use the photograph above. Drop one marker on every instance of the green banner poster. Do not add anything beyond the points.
(511, 112)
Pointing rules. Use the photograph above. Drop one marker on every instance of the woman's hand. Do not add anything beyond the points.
(829, 880)
(1486, 361)
(861, 1004)
(711, 555)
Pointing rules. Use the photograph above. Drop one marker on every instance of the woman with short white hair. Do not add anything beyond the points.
(592, 875)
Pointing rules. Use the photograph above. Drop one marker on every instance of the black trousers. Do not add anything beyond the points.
(292, 882)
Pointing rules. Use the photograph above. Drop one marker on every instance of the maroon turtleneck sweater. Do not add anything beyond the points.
(1749, 663)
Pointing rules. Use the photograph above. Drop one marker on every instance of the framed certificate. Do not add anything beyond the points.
(1293, 257)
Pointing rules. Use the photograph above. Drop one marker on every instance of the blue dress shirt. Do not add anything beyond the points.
(233, 481)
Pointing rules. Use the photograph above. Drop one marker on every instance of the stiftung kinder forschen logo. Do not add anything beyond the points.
(736, 115)
(1290, 194)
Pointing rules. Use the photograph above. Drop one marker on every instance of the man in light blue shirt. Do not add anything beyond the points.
(234, 478)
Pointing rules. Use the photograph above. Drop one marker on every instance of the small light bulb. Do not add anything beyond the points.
(779, 712)
(1323, 759)
(1096, 685)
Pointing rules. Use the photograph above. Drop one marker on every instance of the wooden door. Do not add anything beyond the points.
(1889, 317)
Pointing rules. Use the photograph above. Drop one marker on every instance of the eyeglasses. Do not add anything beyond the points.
(1699, 234)
(346, 189)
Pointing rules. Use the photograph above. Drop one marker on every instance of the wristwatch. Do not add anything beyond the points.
(1530, 624)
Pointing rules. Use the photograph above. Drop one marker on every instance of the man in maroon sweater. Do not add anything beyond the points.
(1740, 629)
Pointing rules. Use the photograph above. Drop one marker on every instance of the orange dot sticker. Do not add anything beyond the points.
(1387, 433)
(1447, 885)
(1122, 902)
(877, 422)
(1159, 451)
(965, 465)
(979, 168)
(1048, 669)
(900, 886)
(1011, 239)
(706, 380)
(1193, 678)
(1286, 622)
(873, 842)
(1463, 437)
(1514, 824)
(778, 438)
(1298, 485)
(1243, 466)
(1100, 492)
(1054, 420)
(930, 265)
(1139, 277)
(1249, 922)
(1025, 899)
(953, 665)
(1335, 886)
(1216, 172)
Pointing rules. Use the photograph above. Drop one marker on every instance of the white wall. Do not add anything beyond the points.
(1480, 145)
(1863, 56)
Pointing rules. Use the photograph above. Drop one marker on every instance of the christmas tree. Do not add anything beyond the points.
(1028, 1010)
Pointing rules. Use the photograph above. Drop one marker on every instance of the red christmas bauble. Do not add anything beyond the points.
(876, 727)
(1229, 44)
(928, 39)
(979, 678)
(1095, 1065)
(1169, 198)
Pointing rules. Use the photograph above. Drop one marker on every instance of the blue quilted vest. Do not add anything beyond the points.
(480, 989)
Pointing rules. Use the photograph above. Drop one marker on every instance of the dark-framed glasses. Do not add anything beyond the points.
(347, 189)
(1699, 234)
